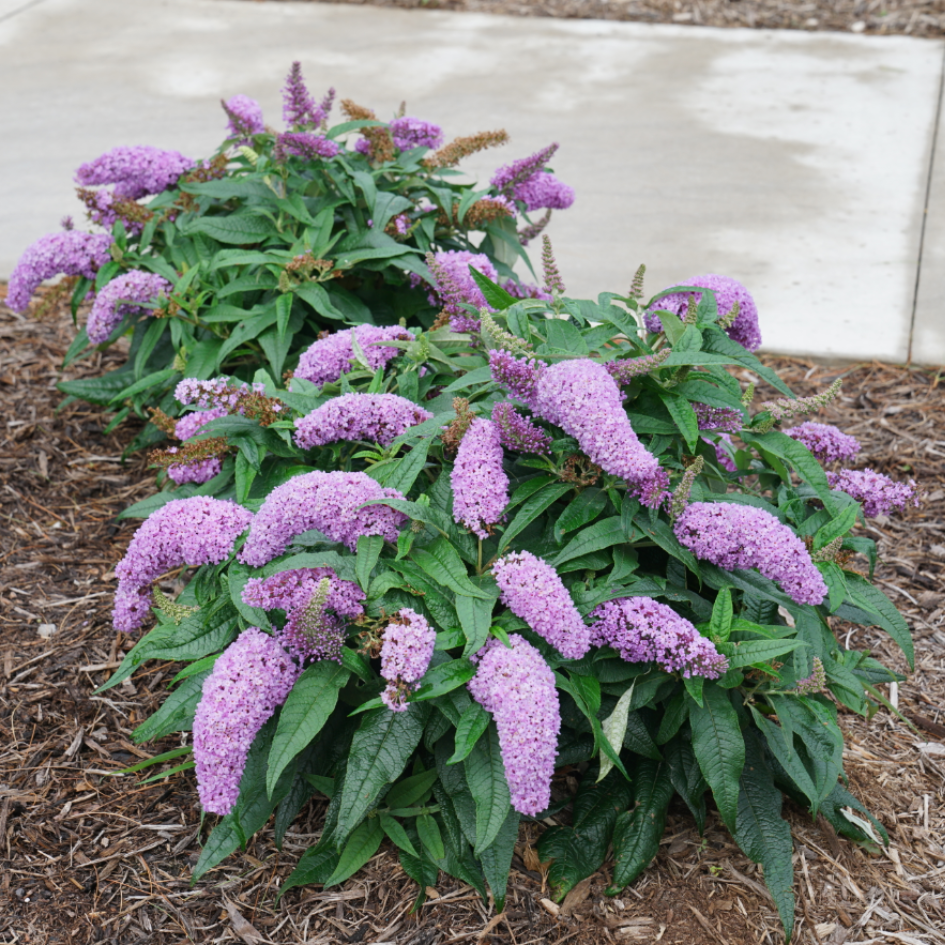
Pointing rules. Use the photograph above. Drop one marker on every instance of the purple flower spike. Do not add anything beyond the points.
(532, 590)
(124, 295)
(136, 171)
(510, 176)
(518, 687)
(583, 399)
(330, 357)
(68, 253)
(519, 376)
(719, 418)
(643, 630)
(826, 442)
(728, 291)
(543, 191)
(415, 133)
(480, 485)
(329, 502)
(304, 145)
(454, 285)
(220, 391)
(248, 683)
(299, 109)
(742, 536)
(405, 656)
(191, 532)
(878, 493)
(246, 117)
(380, 418)
(519, 433)
(189, 426)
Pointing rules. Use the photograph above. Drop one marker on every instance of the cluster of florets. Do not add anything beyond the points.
(408, 133)
(380, 418)
(728, 292)
(317, 605)
(454, 286)
(328, 501)
(517, 687)
(786, 407)
(238, 397)
(584, 400)
(815, 683)
(526, 180)
(519, 433)
(643, 630)
(194, 531)
(878, 493)
(105, 209)
(245, 117)
(68, 253)
(127, 294)
(328, 358)
(742, 536)
(305, 145)
(718, 418)
(480, 485)
(135, 171)
(532, 590)
(519, 376)
(249, 681)
(626, 369)
(405, 656)
(826, 442)
(299, 109)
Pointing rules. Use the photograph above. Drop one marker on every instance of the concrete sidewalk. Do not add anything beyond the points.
(796, 162)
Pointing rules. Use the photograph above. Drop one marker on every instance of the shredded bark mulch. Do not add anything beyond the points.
(881, 17)
(87, 855)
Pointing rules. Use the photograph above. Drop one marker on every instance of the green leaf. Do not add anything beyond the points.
(485, 774)
(835, 528)
(661, 532)
(687, 778)
(472, 723)
(234, 228)
(405, 473)
(305, 712)
(380, 750)
(494, 294)
(411, 790)
(683, 415)
(880, 610)
(637, 833)
(722, 613)
(763, 835)
(430, 836)
(444, 678)
(694, 686)
(361, 846)
(497, 859)
(752, 652)
(714, 339)
(596, 537)
(316, 865)
(475, 617)
(581, 511)
(442, 562)
(675, 712)
(719, 748)
(780, 743)
(799, 458)
(369, 550)
(614, 727)
(396, 833)
(531, 508)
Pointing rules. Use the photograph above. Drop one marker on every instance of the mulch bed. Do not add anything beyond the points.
(880, 17)
(87, 856)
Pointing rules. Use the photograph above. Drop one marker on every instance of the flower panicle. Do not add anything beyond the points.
(452, 153)
(380, 141)
(636, 286)
(496, 338)
(553, 281)
(680, 498)
(815, 683)
(507, 177)
(453, 435)
(783, 408)
(625, 370)
(534, 230)
(519, 433)
(405, 656)
(726, 321)
(480, 485)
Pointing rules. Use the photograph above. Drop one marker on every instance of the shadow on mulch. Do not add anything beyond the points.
(88, 856)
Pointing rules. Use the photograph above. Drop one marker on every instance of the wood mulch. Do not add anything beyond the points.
(880, 17)
(87, 856)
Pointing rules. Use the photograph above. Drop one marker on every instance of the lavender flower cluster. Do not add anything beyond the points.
(330, 357)
(878, 493)
(518, 687)
(405, 656)
(380, 418)
(519, 433)
(584, 400)
(480, 485)
(643, 630)
(218, 392)
(519, 376)
(742, 536)
(408, 133)
(625, 370)
(825, 441)
(249, 681)
(454, 285)
(127, 294)
(527, 180)
(728, 291)
(718, 418)
(305, 145)
(245, 117)
(69, 253)
(532, 590)
(136, 172)
(299, 109)
(194, 531)
(328, 501)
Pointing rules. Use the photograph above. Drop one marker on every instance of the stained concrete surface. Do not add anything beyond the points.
(796, 162)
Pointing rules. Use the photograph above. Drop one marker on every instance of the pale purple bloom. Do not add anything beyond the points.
(192, 423)
(248, 682)
(203, 470)
(299, 109)
(136, 171)
(878, 493)
(524, 290)
(218, 392)
(518, 688)
(544, 190)
(401, 223)
(330, 357)
(67, 223)
(415, 133)
(245, 117)
(519, 433)
(742, 536)
(509, 176)
(99, 205)
(308, 635)
(480, 485)
(304, 145)
(825, 441)
(194, 531)
(584, 400)
(127, 294)
(532, 590)
(723, 447)
(519, 376)
(625, 370)
(405, 656)
(68, 253)
(380, 418)
(728, 291)
(718, 418)
(643, 630)
(815, 683)
(454, 285)
(327, 501)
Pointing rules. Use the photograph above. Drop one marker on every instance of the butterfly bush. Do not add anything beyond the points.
(330, 357)
(455, 286)
(126, 295)
(380, 418)
(517, 687)
(135, 171)
(878, 493)
(826, 442)
(480, 485)
(405, 655)
(247, 684)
